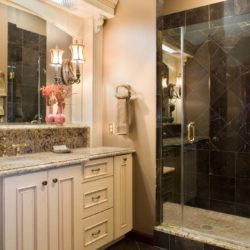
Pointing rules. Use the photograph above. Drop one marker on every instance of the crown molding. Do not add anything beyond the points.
(108, 6)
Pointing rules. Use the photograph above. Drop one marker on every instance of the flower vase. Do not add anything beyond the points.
(50, 116)
(59, 117)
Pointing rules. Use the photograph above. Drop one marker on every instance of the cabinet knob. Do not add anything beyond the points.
(44, 183)
(55, 180)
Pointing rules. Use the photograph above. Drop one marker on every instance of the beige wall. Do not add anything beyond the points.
(27, 21)
(171, 6)
(130, 58)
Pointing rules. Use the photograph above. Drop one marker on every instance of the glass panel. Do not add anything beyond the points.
(216, 150)
(171, 107)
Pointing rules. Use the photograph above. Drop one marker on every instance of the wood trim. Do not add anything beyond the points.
(141, 236)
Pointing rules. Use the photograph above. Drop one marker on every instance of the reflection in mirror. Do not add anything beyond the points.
(29, 40)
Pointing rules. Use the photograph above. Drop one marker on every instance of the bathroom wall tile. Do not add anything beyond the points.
(202, 186)
(174, 20)
(241, 7)
(162, 240)
(182, 243)
(243, 165)
(243, 210)
(211, 247)
(222, 188)
(197, 19)
(222, 164)
(30, 40)
(222, 206)
(203, 161)
(221, 10)
(242, 191)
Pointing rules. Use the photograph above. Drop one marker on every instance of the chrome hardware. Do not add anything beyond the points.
(191, 132)
(55, 180)
(96, 234)
(96, 170)
(97, 198)
(44, 183)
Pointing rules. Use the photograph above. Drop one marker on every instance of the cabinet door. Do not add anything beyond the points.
(25, 212)
(123, 194)
(64, 208)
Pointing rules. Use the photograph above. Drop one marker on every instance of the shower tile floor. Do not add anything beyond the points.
(231, 228)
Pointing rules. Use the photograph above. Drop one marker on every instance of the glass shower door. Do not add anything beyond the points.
(215, 146)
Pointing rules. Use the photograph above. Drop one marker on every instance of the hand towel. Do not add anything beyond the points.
(122, 117)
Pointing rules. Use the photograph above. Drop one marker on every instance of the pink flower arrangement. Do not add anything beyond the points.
(56, 93)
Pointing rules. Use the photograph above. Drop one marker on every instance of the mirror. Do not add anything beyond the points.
(29, 39)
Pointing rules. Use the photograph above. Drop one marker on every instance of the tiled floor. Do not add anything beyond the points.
(130, 244)
(219, 225)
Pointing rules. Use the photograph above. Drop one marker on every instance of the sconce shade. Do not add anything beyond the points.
(77, 53)
(56, 56)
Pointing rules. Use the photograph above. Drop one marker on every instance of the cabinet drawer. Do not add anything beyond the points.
(96, 169)
(98, 230)
(97, 196)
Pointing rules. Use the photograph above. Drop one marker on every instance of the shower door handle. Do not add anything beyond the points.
(191, 132)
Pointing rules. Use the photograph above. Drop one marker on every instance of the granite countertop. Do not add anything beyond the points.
(26, 163)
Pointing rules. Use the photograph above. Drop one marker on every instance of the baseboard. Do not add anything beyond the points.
(140, 236)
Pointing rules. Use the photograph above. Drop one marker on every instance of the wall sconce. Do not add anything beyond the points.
(56, 60)
(178, 84)
(67, 75)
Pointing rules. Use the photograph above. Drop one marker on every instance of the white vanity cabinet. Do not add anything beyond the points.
(41, 210)
(69, 208)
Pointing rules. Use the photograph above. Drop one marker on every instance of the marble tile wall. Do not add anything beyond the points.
(172, 242)
(24, 49)
(42, 138)
(217, 77)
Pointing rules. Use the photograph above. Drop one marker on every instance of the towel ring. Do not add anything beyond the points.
(122, 96)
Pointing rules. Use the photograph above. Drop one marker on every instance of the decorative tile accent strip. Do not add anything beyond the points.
(42, 138)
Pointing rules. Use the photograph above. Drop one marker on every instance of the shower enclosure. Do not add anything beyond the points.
(203, 124)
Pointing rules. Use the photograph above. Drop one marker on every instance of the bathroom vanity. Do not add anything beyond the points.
(81, 200)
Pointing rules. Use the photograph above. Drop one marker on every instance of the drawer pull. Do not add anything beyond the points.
(96, 234)
(55, 180)
(125, 159)
(44, 183)
(96, 198)
(96, 170)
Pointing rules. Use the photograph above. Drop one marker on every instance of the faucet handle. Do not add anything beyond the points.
(17, 148)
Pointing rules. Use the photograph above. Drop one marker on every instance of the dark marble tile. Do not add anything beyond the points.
(243, 165)
(242, 210)
(221, 10)
(222, 164)
(131, 244)
(162, 239)
(182, 243)
(202, 186)
(210, 247)
(203, 161)
(222, 188)
(242, 191)
(197, 19)
(171, 21)
(30, 40)
(241, 7)
(222, 206)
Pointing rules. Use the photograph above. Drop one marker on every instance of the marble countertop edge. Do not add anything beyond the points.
(27, 163)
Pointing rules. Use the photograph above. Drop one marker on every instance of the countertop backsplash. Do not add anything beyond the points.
(42, 138)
